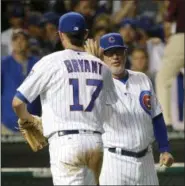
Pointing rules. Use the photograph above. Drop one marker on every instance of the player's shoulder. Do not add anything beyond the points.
(59, 56)
(49, 60)
(53, 56)
(6, 60)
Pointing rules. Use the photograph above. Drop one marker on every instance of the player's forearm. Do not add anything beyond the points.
(20, 109)
(160, 133)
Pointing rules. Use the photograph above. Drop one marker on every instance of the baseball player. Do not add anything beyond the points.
(135, 119)
(74, 87)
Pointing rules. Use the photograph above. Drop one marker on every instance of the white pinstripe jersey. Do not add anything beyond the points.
(74, 87)
(130, 126)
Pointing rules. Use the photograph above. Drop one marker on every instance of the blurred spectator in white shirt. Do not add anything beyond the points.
(16, 20)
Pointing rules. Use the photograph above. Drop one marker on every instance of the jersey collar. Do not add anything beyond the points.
(124, 79)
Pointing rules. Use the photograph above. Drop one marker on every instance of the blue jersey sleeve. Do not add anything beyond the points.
(160, 133)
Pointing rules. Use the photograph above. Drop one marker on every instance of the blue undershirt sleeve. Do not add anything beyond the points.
(160, 133)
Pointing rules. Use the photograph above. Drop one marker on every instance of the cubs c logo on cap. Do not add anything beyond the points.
(145, 101)
(111, 39)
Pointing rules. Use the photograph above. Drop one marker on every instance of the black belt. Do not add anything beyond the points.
(67, 132)
(129, 153)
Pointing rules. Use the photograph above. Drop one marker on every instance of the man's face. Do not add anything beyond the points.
(99, 34)
(128, 34)
(16, 22)
(19, 43)
(84, 7)
(142, 38)
(139, 61)
(35, 31)
(51, 32)
(115, 58)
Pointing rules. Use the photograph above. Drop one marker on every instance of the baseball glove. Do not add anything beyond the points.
(33, 133)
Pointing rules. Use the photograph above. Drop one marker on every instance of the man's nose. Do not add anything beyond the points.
(114, 55)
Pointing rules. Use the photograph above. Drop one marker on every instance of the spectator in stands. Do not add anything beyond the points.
(33, 24)
(103, 7)
(173, 59)
(14, 69)
(162, 10)
(43, 6)
(36, 32)
(127, 9)
(128, 32)
(151, 37)
(144, 24)
(50, 24)
(16, 20)
(102, 25)
(86, 9)
(147, 8)
(139, 62)
(100, 31)
(102, 20)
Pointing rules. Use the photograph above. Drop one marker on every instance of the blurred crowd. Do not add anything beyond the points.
(144, 25)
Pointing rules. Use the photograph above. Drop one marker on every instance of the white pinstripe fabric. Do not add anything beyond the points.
(130, 127)
(69, 156)
(50, 79)
(124, 170)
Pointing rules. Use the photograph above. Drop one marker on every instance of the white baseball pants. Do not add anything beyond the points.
(76, 159)
(123, 170)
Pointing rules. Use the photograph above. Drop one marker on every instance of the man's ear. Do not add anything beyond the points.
(60, 35)
(86, 34)
(101, 53)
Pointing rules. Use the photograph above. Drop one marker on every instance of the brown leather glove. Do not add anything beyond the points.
(33, 133)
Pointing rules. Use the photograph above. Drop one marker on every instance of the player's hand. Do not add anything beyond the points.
(93, 48)
(25, 122)
(166, 159)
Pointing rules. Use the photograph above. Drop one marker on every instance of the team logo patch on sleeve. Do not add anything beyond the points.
(145, 101)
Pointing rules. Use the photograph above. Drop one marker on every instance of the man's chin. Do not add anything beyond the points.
(117, 70)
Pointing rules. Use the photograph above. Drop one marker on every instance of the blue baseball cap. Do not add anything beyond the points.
(128, 22)
(145, 22)
(17, 12)
(50, 17)
(72, 22)
(34, 19)
(112, 40)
